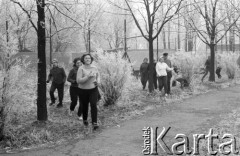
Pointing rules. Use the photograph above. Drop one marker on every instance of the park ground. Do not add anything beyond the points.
(196, 115)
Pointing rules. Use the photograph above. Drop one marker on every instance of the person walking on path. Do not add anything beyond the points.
(74, 90)
(207, 67)
(144, 68)
(161, 69)
(155, 75)
(169, 72)
(58, 77)
(88, 79)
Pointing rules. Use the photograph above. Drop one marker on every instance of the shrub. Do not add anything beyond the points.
(238, 61)
(21, 94)
(228, 61)
(115, 72)
(189, 65)
(8, 50)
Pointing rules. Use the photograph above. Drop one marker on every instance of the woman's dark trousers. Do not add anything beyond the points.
(75, 96)
(162, 81)
(89, 96)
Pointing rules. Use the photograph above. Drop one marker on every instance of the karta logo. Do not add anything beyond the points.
(152, 141)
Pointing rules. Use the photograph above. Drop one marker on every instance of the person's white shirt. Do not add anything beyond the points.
(161, 69)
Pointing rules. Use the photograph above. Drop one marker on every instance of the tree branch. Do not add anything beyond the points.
(29, 16)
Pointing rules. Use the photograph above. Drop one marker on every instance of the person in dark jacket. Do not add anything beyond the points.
(58, 77)
(74, 90)
(169, 73)
(207, 67)
(155, 75)
(144, 72)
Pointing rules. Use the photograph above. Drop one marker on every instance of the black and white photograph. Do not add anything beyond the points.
(119, 77)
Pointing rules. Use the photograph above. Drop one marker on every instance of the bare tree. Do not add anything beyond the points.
(149, 12)
(93, 11)
(209, 25)
(40, 29)
(21, 22)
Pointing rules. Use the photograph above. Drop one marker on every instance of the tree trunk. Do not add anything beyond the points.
(226, 42)
(169, 33)
(186, 40)
(230, 40)
(151, 67)
(179, 42)
(239, 42)
(164, 39)
(2, 122)
(233, 39)
(221, 45)
(41, 89)
(212, 66)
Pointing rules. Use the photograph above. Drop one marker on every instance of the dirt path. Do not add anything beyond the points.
(194, 115)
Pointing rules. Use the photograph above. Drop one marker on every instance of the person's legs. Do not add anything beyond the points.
(218, 72)
(74, 97)
(84, 100)
(142, 81)
(93, 98)
(60, 88)
(99, 95)
(160, 82)
(51, 92)
(169, 76)
(155, 81)
(80, 109)
(205, 74)
(165, 84)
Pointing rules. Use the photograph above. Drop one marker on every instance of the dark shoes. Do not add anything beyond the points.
(52, 103)
(95, 126)
(85, 122)
(60, 105)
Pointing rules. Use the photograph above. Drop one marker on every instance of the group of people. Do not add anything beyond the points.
(84, 79)
(162, 73)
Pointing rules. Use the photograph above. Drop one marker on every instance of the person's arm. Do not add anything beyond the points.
(64, 75)
(168, 68)
(97, 78)
(70, 77)
(157, 69)
(80, 78)
(49, 76)
(170, 63)
(141, 68)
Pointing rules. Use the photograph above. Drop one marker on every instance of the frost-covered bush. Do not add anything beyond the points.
(189, 65)
(238, 61)
(22, 92)
(115, 72)
(7, 51)
(228, 61)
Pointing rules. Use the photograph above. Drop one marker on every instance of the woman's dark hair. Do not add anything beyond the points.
(75, 61)
(82, 58)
